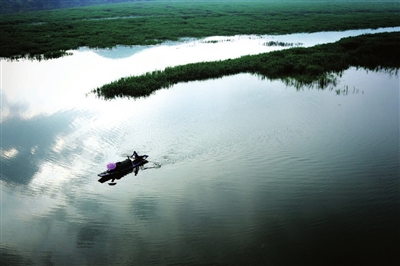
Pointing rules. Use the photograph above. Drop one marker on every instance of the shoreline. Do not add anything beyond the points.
(294, 39)
(301, 66)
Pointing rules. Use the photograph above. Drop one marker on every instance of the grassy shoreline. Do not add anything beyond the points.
(300, 66)
(49, 34)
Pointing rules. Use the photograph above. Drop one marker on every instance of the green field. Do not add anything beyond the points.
(48, 34)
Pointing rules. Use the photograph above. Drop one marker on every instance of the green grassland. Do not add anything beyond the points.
(49, 34)
(316, 65)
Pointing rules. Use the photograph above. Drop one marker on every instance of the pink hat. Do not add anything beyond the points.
(111, 166)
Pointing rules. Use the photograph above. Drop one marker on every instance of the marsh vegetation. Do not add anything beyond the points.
(49, 34)
(296, 66)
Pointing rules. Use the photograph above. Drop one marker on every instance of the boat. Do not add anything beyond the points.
(120, 169)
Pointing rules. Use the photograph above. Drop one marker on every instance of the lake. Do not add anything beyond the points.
(253, 171)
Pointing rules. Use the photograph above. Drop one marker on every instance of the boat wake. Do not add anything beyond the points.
(151, 165)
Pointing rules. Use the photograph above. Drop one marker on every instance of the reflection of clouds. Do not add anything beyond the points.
(117, 52)
(58, 212)
(50, 176)
(49, 148)
(58, 145)
(10, 153)
(26, 142)
(64, 145)
(56, 222)
(48, 86)
(33, 149)
(11, 109)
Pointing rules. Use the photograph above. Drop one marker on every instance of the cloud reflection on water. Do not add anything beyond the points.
(55, 210)
(31, 140)
(53, 85)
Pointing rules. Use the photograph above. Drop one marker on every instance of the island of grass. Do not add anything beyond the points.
(298, 66)
(49, 34)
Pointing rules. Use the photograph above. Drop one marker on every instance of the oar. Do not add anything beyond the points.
(112, 183)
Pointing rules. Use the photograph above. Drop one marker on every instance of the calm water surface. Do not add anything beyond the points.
(254, 172)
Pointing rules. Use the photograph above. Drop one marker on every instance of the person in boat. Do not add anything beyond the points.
(136, 156)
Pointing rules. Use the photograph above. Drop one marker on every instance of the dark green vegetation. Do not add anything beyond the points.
(48, 34)
(12, 6)
(298, 66)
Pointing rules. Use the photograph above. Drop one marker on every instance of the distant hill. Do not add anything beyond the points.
(14, 6)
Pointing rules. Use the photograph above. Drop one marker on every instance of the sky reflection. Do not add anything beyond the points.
(30, 140)
(202, 204)
(311, 151)
(52, 85)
